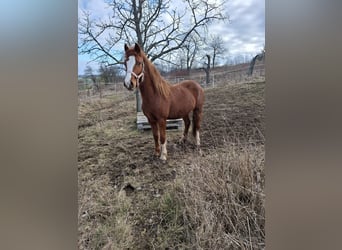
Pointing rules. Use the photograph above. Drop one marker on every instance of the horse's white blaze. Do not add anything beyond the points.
(129, 70)
(198, 141)
(163, 152)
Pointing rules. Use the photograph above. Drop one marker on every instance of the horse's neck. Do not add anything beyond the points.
(147, 88)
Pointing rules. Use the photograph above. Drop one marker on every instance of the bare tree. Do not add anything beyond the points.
(160, 27)
(259, 57)
(217, 46)
(108, 73)
(207, 70)
(88, 73)
(190, 50)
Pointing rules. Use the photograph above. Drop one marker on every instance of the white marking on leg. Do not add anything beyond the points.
(163, 152)
(198, 140)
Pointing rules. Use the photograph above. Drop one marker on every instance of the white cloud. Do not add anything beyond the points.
(99, 8)
(245, 34)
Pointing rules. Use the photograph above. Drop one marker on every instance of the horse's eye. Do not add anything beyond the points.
(138, 63)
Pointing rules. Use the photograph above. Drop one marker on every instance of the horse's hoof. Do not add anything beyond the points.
(163, 157)
(182, 140)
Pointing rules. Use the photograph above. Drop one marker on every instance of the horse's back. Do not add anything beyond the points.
(190, 84)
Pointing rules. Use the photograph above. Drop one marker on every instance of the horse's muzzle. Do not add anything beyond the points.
(130, 87)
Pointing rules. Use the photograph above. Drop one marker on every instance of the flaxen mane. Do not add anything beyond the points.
(158, 82)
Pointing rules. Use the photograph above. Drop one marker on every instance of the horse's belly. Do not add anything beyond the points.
(176, 113)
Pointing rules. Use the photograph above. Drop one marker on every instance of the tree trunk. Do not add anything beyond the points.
(138, 97)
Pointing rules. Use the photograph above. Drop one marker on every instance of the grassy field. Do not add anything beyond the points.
(213, 200)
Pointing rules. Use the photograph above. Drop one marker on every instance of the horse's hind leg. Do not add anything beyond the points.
(197, 118)
(187, 122)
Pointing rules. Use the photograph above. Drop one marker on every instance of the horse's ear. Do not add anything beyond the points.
(137, 48)
(126, 47)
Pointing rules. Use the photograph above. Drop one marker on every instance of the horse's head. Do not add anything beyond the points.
(134, 64)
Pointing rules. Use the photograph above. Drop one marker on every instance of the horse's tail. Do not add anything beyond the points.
(197, 113)
(194, 122)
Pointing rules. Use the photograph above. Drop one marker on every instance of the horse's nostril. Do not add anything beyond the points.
(129, 87)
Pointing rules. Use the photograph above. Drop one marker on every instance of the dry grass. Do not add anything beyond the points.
(103, 220)
(128, 200)
(224, 200)
(217, 202)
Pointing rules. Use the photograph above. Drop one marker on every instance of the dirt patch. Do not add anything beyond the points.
(115, 160)
(234, 114)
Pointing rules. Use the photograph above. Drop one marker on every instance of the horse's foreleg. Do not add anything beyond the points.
(155, 132)
(162, 128)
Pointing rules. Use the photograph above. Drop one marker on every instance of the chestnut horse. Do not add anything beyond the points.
(162, 101)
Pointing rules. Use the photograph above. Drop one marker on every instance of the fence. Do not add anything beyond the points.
(226, 76)
(88, 91)
(218, 77)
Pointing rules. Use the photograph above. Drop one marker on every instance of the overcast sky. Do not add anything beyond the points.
(244, 35)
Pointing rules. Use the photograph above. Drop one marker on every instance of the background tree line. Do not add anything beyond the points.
(174, 34)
